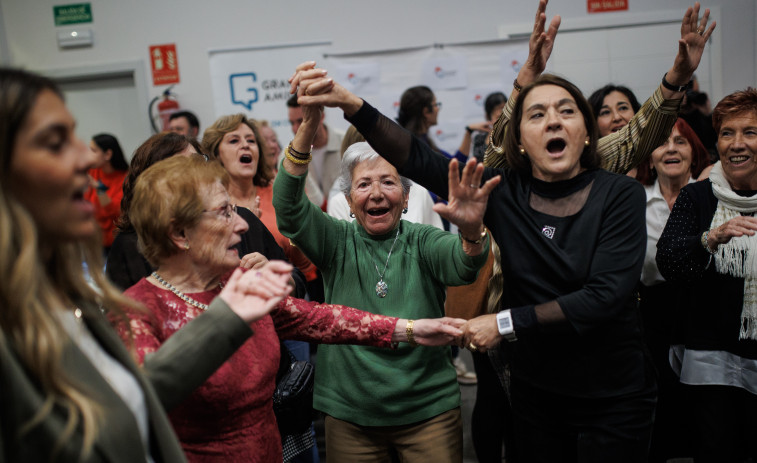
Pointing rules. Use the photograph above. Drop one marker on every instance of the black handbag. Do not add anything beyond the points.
(293, 396)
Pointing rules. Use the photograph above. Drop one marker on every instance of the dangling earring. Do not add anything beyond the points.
(352, 215)
(404, 211)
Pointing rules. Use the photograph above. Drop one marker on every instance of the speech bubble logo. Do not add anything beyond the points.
(243, 91)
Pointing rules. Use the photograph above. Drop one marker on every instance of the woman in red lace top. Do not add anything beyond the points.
(187, 228)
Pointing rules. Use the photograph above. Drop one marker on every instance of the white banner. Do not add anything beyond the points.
(461, 77)
(253, 81)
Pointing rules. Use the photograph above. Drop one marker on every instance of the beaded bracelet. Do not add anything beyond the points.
(705, 236)
(517, 86)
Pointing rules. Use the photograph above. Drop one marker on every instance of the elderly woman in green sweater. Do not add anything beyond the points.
(405, 400)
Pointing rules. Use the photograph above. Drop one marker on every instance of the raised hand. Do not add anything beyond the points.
(467, 198)
(254, 293)
(694, 37)
(540, 45)
(437, 331)
(480, 334)
(314, 88)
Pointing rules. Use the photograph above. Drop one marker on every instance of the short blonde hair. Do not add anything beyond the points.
(214, 134)
(169, 195)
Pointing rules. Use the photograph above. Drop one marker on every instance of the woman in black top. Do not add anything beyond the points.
(572, 238)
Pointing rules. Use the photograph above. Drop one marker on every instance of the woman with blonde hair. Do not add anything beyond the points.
(71, 391)
(237, 143)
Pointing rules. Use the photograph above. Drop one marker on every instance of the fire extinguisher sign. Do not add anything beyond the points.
(165, 64)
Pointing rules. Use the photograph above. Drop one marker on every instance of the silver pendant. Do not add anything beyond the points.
(381, 288)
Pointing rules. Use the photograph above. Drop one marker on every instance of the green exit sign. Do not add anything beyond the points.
(72, 14)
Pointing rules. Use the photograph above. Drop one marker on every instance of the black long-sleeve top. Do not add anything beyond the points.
(712, 302)
(589, 265)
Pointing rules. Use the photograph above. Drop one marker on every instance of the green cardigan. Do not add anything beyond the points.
(371, 386)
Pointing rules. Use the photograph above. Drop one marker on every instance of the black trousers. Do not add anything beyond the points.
(725, 419)
(555, 428)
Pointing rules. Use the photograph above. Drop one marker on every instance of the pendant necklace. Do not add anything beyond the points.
(381, 286)
(179, 294)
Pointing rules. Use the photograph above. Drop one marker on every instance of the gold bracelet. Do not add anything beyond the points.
(409, 333)
(296, 153)
(478, 241)
(296, 160)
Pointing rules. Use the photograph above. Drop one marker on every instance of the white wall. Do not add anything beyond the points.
(123, 31)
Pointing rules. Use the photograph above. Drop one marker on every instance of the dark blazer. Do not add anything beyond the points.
(166, 379)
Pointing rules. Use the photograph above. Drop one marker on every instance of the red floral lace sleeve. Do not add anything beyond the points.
(331, 324)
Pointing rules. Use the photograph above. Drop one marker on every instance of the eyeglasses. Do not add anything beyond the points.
(227, 211)
(437, 104)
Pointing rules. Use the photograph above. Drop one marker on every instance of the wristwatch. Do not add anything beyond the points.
(505, 325)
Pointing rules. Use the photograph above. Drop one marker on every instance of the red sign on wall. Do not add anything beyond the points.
(601, 6)
(165, 64)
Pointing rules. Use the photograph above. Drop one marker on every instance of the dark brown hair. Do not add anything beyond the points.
(520, 163)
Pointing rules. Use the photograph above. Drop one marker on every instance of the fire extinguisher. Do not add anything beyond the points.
(167, 106)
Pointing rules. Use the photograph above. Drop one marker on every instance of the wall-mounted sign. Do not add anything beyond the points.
(72, 14)
(165, 64)
(601, 6)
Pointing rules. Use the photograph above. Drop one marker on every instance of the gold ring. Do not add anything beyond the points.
(700, 30)
(472, 347)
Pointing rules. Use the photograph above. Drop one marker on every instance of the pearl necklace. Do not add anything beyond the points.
(178, 293)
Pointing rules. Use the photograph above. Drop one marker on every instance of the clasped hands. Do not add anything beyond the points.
(477, 335)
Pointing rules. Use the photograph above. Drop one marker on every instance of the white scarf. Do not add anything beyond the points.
(738, 257)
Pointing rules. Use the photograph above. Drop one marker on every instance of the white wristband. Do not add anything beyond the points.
(505, 325)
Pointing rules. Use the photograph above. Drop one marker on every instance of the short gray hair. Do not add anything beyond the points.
(354, 155)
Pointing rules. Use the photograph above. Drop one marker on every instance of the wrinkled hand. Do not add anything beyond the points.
(481, 334)
(437, 331)
(308, 78)
(314, 88)
(737, 226)
(253, 260)
(253, 294)
(467, 198)
(540, 45)
(691, 44)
